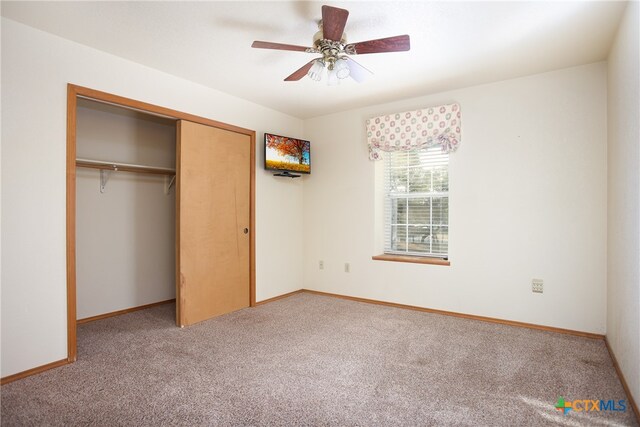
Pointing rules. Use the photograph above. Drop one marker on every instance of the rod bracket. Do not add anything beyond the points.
(104, 177)
(168, 183)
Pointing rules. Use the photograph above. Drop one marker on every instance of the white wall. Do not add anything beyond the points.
(527, 200)
(125, 237)
(36, 68)
(623, 278)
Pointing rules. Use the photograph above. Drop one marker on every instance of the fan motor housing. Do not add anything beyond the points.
(330, 49)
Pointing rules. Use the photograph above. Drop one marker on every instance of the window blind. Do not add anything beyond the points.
(416, 202)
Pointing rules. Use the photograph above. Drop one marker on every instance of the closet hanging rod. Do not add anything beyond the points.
(124, 167)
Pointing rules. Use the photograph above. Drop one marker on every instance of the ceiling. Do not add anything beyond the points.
(453, 44)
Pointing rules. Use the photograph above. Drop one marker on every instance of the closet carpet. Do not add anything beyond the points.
(312, 360)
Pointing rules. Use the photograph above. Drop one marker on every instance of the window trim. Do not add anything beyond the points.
(412, 259)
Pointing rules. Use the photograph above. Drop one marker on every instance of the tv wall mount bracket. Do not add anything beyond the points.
(287, 174)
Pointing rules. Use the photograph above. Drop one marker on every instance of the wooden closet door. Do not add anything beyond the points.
(213, 215)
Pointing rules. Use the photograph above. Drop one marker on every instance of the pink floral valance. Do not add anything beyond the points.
(415, 129)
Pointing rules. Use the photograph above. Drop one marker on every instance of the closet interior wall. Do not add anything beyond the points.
(125, 236)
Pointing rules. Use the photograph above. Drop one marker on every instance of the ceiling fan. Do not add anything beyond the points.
(330, 41)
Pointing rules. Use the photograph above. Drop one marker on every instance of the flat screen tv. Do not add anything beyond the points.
(287, 155)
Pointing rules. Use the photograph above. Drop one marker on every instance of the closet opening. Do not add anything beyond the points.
(147, 222)
(125, 210)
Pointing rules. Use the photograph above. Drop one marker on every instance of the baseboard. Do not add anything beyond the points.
(125, 311)
(625, 386)
(288, 294)
(33, 371)
(463, 315)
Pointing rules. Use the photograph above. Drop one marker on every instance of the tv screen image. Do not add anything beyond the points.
(282, 153)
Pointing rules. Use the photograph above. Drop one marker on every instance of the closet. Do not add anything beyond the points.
(160, 206)
(125, 209)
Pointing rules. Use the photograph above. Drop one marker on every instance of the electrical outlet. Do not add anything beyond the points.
(537, 286)
(347, 267)
(321, 265)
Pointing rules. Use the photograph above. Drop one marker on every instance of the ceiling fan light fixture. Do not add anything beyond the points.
(315, 73)
(342, 68)
(331, 42)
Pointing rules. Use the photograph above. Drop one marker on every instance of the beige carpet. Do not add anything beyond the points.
(317, 361)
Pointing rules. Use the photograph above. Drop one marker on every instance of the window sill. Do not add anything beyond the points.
(413, 259)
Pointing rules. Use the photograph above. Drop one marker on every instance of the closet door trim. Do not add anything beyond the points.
(73, 93)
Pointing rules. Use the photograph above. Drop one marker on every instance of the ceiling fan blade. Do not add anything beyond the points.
(333, 22)
(300, 73)
(389, 44)
(357, 71)
(280, 46)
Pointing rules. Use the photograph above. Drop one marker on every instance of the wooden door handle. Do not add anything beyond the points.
(246, 230)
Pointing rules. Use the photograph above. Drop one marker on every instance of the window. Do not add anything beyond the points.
(416, 203)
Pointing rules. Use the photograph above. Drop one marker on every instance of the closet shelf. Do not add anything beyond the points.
(124, 167)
